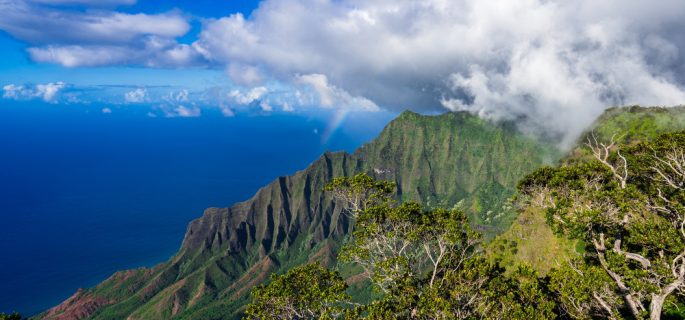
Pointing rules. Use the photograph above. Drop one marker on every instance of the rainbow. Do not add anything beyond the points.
(334, 124)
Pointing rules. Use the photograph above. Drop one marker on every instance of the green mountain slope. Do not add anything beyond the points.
(529, 238)
(436, 160)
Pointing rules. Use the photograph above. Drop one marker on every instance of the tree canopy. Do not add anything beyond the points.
(626, 205)
(426, 264)
(12, 316)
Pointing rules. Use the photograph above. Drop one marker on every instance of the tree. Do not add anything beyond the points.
(519, 295)
(584, 291)
(360, 192)
(428, 265)
(306, 292)
(12, 316)
(406, 249)
(627, 206)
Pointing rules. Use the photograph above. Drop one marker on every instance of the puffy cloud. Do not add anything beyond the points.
(106, 110)
(86, 2)
(178, 96)
(153, 52)
(249, 96)
(226, 110)
(44, 25)
(136, 96)
(182, 111)
(287, 107)
(555, 64)
(12, 91)
(244, 74)
(265, 106)
(169, 110)
(47, 92)
(330, 95)
(97, 37)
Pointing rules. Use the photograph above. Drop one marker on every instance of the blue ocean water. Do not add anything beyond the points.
(84, 194)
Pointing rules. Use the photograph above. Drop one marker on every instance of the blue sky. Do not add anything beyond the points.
(552, 65)
(16, 66)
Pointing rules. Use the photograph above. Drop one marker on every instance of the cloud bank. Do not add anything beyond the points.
(47, 92)
(553, 65)
(556, 64)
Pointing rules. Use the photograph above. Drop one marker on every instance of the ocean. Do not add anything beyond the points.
(84, 194)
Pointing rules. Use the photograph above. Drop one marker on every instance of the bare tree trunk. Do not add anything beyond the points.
(657, 303)
(656, 306)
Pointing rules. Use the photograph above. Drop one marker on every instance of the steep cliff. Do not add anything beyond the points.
(436, 160)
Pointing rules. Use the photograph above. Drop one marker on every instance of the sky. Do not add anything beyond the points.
(551, 65)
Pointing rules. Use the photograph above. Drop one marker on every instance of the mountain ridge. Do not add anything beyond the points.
(436, 160)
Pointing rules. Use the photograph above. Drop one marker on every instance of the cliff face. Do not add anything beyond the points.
(436, 160)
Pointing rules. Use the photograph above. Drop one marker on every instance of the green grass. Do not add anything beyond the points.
(531, 241)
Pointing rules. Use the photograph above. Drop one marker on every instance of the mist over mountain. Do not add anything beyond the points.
(552, 65)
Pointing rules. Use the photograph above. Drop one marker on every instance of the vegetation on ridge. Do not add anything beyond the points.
(628, 126)
(627, 205)
(425, 263)
(438, 161)
(11, 316)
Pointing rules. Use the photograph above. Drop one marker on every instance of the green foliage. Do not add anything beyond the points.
(627, 206)
(360, 191)
(392, 242)
(531, 241)
(632, 124)
(12, 316)
(305, 292)
(520, 295)
(576, 283)
(425, 263)
(437, 161)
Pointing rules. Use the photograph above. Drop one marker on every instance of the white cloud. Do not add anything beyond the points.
(556, 63)
(97, 37)
(183, 112)
(136, 96)
(12, 91)
(287, 107)
(47, 92)
(332, 96)
(106, 110)
(265, 106)
(86, 2)
(47, 25)
(153, 52)
(249, 96)
(244, 74)
(179, 96)
(226, 111)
